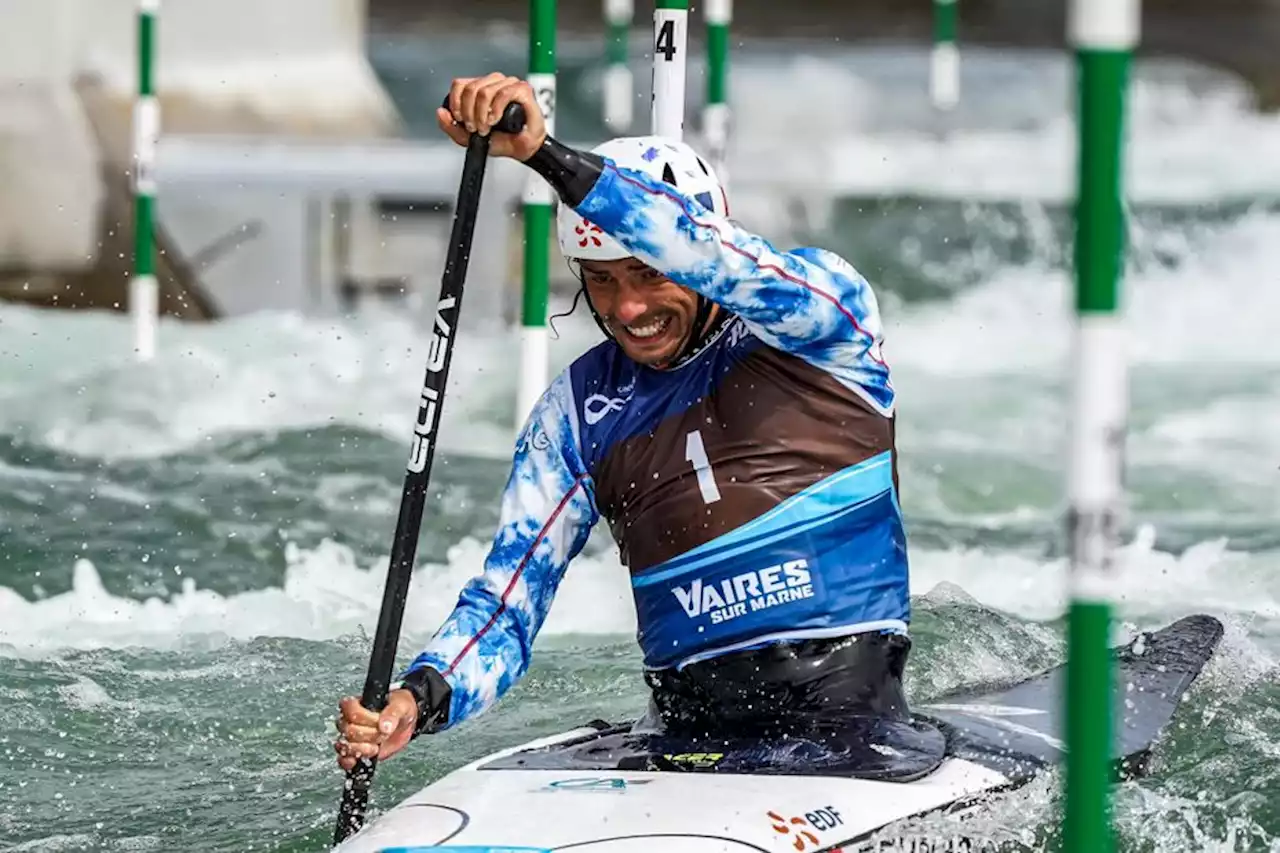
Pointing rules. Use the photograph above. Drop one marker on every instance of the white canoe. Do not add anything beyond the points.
(607, 789)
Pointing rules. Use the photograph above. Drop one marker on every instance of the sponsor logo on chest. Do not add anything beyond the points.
(749, 592)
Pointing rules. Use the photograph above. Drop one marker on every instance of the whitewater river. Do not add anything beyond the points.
(192, 551)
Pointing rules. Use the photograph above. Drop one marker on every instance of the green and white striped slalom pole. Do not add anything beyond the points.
(144, 292)
(715, 115)
(1103, 33)
(670, 32)
(537, 200)
(619, 88)
(944, 75)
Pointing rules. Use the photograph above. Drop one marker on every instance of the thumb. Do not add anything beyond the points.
(401, 710)
(396, 723)
(390, 719)
(456, 132)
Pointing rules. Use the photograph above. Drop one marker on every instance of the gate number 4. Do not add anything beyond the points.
(696, 452)
(666, 40)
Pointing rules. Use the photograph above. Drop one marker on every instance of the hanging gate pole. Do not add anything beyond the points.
(1103, 33)
(670, 39)
(715, 115)
(537, 201)
(144, 292)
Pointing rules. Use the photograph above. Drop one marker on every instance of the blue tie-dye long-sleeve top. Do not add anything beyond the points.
(809, 305)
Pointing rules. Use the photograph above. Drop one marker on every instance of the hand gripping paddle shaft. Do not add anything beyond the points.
(355, 794)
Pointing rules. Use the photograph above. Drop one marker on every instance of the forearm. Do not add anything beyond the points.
(479, 653)
(571, 173)
(546, 514)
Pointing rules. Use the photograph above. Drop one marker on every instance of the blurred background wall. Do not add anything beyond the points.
(1241, 35)
(267, 68)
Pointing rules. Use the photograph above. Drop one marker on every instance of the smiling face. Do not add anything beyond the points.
(649, 315)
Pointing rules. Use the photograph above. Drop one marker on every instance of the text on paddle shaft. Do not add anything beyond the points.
(746, 593)
(428, 407)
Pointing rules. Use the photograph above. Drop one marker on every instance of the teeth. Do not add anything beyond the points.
(648, 330)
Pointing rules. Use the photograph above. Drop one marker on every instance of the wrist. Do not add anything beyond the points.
(432, 694)
(571, 173)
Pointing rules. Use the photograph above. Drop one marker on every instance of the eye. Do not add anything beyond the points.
(599, 278)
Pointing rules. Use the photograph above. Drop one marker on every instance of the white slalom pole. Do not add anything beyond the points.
(670, 30)
(619, 88)
(944, 77)
(144, 291)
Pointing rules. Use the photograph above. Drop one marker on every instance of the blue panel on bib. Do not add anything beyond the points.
(846, 569)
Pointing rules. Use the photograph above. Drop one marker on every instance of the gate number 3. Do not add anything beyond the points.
(696, 452)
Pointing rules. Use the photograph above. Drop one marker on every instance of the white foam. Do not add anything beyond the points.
(1020, 320)
(1207, 577)
(328, 594)
(1159, 166)
(277, 371)
(269, 371)
(1203, 352)
(1014, 133)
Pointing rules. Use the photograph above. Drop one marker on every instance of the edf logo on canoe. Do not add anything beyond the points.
(747, 592)
(821, 819)
(796, 829)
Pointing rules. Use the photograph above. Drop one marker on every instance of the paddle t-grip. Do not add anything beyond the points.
(512, 120)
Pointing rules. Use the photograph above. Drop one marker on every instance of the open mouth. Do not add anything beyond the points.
(650, 331)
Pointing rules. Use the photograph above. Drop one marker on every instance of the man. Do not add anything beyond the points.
(736, 430)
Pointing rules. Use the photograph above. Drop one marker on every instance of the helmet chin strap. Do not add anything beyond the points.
(702, 331)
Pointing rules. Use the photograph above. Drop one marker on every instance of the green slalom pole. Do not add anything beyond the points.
(670, 38)
(619, 88)
(1103, 33)
(715, 115)
(144, 292)
(537, 200)
(944, 77)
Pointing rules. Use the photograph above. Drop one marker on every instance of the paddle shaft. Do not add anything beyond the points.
(404, 545)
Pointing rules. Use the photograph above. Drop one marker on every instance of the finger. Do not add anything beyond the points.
(451, 129)
(488, 104)
(362, 734)
(455, 96)
(346, 760)
(470, 92)
(348, 749)
(512, 90)
(355, 713)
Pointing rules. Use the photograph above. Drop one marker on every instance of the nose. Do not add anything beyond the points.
(629, 304)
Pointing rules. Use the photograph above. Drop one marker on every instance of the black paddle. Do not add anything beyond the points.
(355, 794)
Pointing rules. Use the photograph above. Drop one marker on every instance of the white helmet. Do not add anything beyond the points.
(660, 158)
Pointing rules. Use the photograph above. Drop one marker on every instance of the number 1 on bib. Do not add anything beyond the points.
(696, 452)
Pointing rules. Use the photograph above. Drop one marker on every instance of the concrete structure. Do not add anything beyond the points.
(67, 77)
